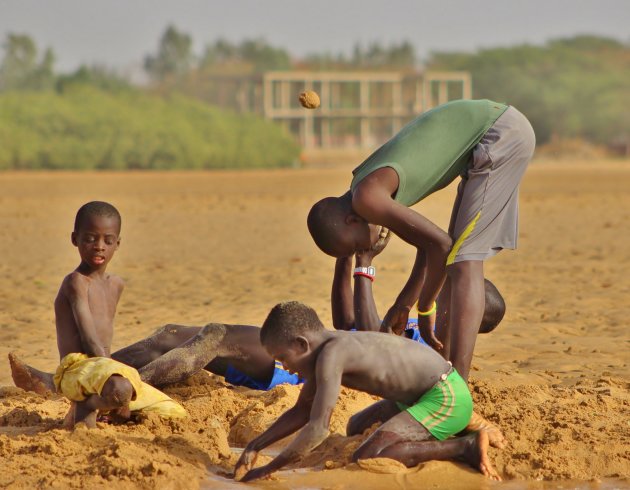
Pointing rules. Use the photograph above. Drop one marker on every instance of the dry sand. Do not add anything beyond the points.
(226, 246)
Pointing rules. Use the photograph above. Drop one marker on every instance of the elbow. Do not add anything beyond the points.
(439, 250)
(445, 245)
(444, 248)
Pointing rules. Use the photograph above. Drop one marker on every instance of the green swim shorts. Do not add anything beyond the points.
(445, 409)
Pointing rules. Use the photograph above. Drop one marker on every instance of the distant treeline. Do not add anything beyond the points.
(94, 118)
(85, 127)
(569, 88)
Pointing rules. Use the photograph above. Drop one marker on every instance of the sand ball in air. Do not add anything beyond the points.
(309, 99)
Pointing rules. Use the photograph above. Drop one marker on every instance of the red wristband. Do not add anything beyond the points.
(370, 277)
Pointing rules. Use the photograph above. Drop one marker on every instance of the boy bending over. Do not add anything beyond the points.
(425, 400)
(489, 145)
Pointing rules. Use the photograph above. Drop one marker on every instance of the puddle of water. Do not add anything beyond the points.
(335, 479)
(446, 477)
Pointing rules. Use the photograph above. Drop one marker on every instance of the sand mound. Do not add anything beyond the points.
(561, 432)
(554, 432)
(382, 465)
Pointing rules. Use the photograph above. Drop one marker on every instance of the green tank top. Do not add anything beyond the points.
(433, 149)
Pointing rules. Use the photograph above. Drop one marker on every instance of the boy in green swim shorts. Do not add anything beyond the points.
(425, 400)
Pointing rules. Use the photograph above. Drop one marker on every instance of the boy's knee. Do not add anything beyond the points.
(169, 330)
(117, 391)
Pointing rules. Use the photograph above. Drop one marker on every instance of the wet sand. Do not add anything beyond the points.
(227, 246)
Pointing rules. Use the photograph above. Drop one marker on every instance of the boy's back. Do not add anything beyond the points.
(388, 366)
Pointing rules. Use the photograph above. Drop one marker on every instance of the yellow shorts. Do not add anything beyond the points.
(79, 376)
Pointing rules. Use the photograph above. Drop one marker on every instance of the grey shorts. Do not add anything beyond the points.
(485, 215)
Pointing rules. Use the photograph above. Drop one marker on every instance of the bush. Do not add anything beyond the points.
(87, 128)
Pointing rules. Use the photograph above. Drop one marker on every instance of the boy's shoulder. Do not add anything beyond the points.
(76, 282)
(341, 342)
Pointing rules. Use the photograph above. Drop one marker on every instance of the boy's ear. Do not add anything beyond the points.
(352, 218)
(302, 344)
(73, 238)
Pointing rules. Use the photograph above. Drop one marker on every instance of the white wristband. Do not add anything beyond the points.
(370, 271)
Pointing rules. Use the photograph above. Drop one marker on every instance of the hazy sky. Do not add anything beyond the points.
(119, 33)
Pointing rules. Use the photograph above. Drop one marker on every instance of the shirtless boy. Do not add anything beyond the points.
(414, 380)
(489, 144)
(176, 352)
(84, 316)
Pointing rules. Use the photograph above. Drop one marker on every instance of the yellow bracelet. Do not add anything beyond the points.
(430, 312)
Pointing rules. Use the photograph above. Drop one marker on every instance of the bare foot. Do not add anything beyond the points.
(476, 455)
(30, 379)
(495, 436)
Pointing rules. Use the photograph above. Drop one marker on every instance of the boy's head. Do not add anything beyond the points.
(96, 233)
(495, 308)
(288, 333)
(337, 230)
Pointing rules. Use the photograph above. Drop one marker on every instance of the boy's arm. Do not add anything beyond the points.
(289, 422)
(365, 312)
(341, 295)
(372, 200)
(329, 371)
(356, 310)
(77, 293)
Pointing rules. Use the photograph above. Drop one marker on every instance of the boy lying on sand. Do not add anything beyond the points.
(356, 310)
(175, 352)
(425, 400)
(84, 315)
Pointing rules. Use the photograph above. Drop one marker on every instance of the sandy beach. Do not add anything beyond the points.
(227, 246)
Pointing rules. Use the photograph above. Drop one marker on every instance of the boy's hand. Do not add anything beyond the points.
(395, 320)
(256, 473)
(379, 245)
(244, 464)
(426, 326)
(383, 239)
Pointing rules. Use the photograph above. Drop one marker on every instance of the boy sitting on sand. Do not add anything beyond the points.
(84, 315)
(425, 400)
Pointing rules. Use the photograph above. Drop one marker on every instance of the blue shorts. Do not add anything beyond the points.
(412, 332)
(280, 376)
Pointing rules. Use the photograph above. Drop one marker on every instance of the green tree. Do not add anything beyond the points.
(174, 58)
(256, 54)
(20, 68)
(97, 76)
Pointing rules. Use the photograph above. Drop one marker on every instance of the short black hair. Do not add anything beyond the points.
(96, 208)
(289, 320)
(323, 223)
(495, 308)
